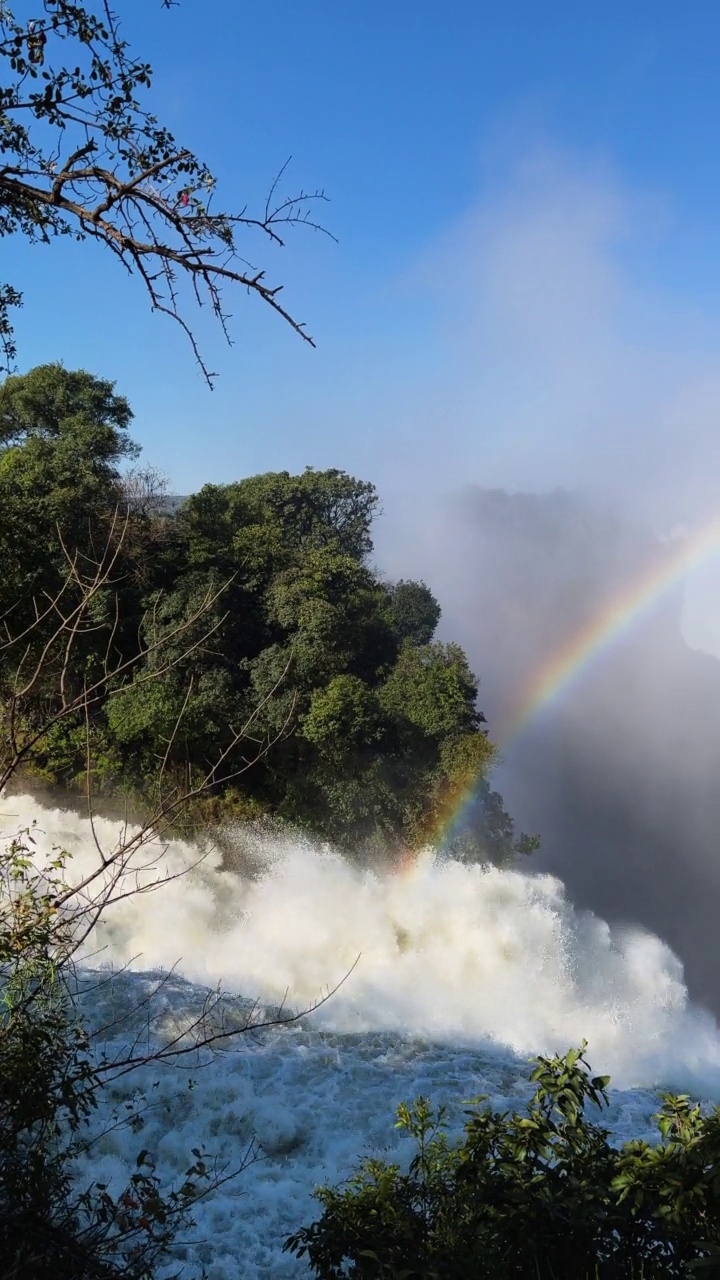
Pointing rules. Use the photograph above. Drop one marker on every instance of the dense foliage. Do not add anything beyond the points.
(538, 1195)
(253, 602)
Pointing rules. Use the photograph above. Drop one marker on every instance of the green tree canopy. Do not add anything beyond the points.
(414, 611)
(253, 604)
(63, 438)
(432, 687)
(265, 520)
(49, 399)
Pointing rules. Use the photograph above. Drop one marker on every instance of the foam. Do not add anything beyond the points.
(463, 973)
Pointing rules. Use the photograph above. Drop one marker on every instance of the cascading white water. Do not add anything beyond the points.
(462, 973)
(447, 952)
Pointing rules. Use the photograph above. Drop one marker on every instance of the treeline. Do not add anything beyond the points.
(244, 627)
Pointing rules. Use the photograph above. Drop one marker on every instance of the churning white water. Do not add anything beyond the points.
(460, 974)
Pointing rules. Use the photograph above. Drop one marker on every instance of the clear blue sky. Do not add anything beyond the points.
(454, 140)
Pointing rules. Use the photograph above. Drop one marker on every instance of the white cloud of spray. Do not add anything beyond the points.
(556, 363)
(448, 953)
(565, 366)
(458, 969)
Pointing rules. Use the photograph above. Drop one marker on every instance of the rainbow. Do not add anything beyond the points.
(588, 643)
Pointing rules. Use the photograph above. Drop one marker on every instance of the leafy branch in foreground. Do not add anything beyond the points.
(81, 155)
(537, 1195)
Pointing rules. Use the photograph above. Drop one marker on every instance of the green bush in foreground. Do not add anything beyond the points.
(539, 1194)
(56, 1223)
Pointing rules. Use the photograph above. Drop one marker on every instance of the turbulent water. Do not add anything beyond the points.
(455, 976)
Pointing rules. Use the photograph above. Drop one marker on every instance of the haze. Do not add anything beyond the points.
(524, 298)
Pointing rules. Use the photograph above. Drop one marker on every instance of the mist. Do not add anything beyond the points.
(564, 354)
(573, 429)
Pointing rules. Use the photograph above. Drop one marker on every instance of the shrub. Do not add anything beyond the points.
(542, 1195)
(51, 1226)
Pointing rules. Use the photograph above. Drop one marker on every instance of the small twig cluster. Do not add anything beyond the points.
(80, 155)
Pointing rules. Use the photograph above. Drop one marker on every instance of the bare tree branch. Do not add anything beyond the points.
(83, 157)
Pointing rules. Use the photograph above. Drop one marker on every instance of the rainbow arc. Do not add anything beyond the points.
(588, 644)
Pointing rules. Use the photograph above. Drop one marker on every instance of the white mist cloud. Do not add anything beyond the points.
(562, 366)
(568, 361)
(450, 953)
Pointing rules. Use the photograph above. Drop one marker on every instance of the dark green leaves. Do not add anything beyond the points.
(540, 1195)
(246, 627)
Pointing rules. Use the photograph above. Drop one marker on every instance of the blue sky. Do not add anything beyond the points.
(526, 201)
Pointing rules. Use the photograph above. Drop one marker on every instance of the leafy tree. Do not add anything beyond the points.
(264, 522)
(484, 832)
(432, 688)
(63, 436)
(414, 611)
(184, 717)
(51, 399)
(330, 608)
(254, 600)
(535, 1195)
(84, 157)
(63, 439)
(343, 717)
(315, 510)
